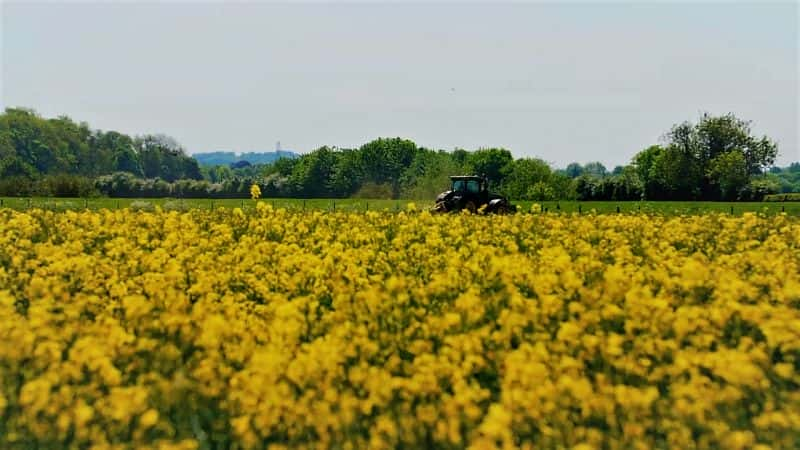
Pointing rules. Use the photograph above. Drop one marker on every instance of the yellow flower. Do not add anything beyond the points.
(255, 192)
(290, 329)
(149, 418)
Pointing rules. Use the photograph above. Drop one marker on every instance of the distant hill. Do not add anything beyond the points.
(228, 158)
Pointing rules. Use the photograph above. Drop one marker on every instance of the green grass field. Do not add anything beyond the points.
(671, 208)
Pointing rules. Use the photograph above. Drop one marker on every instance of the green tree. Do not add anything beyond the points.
(122, 150)
(729, 172)
(540, 191)
(312, 175)
(429, 174)
(692, 150)
(491, 162)
(163, 157)
(644, 164)
(384, 160)
(675, 173)
(717, 135)
(595, 169)
(35, 141)
(574, 170)
(348, 173)
(523, 174)
(563, 186)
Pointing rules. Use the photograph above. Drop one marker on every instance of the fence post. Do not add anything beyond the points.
(304, 204)
(334, 205)
(117, 204)
(731, 209)
(783, 208)
(29, 203)
(366, 206)
(1, 202)
(558, 206)
(579, 208)
(617, 209)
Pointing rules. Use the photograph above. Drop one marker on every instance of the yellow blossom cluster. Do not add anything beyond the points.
(277, 329)
(255, 192)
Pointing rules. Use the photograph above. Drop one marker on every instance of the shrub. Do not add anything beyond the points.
(67, 186)
(175, 205)
(790, 197)
(758, 188)
(141, 205)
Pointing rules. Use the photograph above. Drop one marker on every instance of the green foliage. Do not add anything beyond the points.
(347, 174)
(787, 178)
(729, 171)
(595, 169)
(492, 162)
(312, 175)
(429, 173)
(540, 191)
(574, 170)
(758, 189)
(625, 186)
(32, 147)
(60, 185)
(528, 179)
(715, 159)
(644, 164)
(227, 159)
(791, 197)
(383, 160)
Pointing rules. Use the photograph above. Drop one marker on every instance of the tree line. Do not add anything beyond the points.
(58, 156)
(716, 158)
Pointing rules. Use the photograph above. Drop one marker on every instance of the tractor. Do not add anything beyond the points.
(471, 192)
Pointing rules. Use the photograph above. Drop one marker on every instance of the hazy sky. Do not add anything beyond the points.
(563, 82)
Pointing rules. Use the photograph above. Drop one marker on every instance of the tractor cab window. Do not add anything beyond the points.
(458, 185)
(473, 186)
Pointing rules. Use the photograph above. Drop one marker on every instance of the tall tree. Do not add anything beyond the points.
(491, 162)
(523, 175)
(383, 160)
(429, 174)
(574, 170)
(645, 165)
(312, 175)
(729, 171)
(695, 147)
(595, 169)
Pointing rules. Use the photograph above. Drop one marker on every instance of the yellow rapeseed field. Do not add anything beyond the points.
(270, 328)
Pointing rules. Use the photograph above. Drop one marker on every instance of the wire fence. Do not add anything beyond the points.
(364, 205)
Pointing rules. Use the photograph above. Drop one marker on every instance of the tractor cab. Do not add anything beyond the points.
(468, 184)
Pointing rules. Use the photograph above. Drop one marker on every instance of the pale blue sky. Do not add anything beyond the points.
(563, 82)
